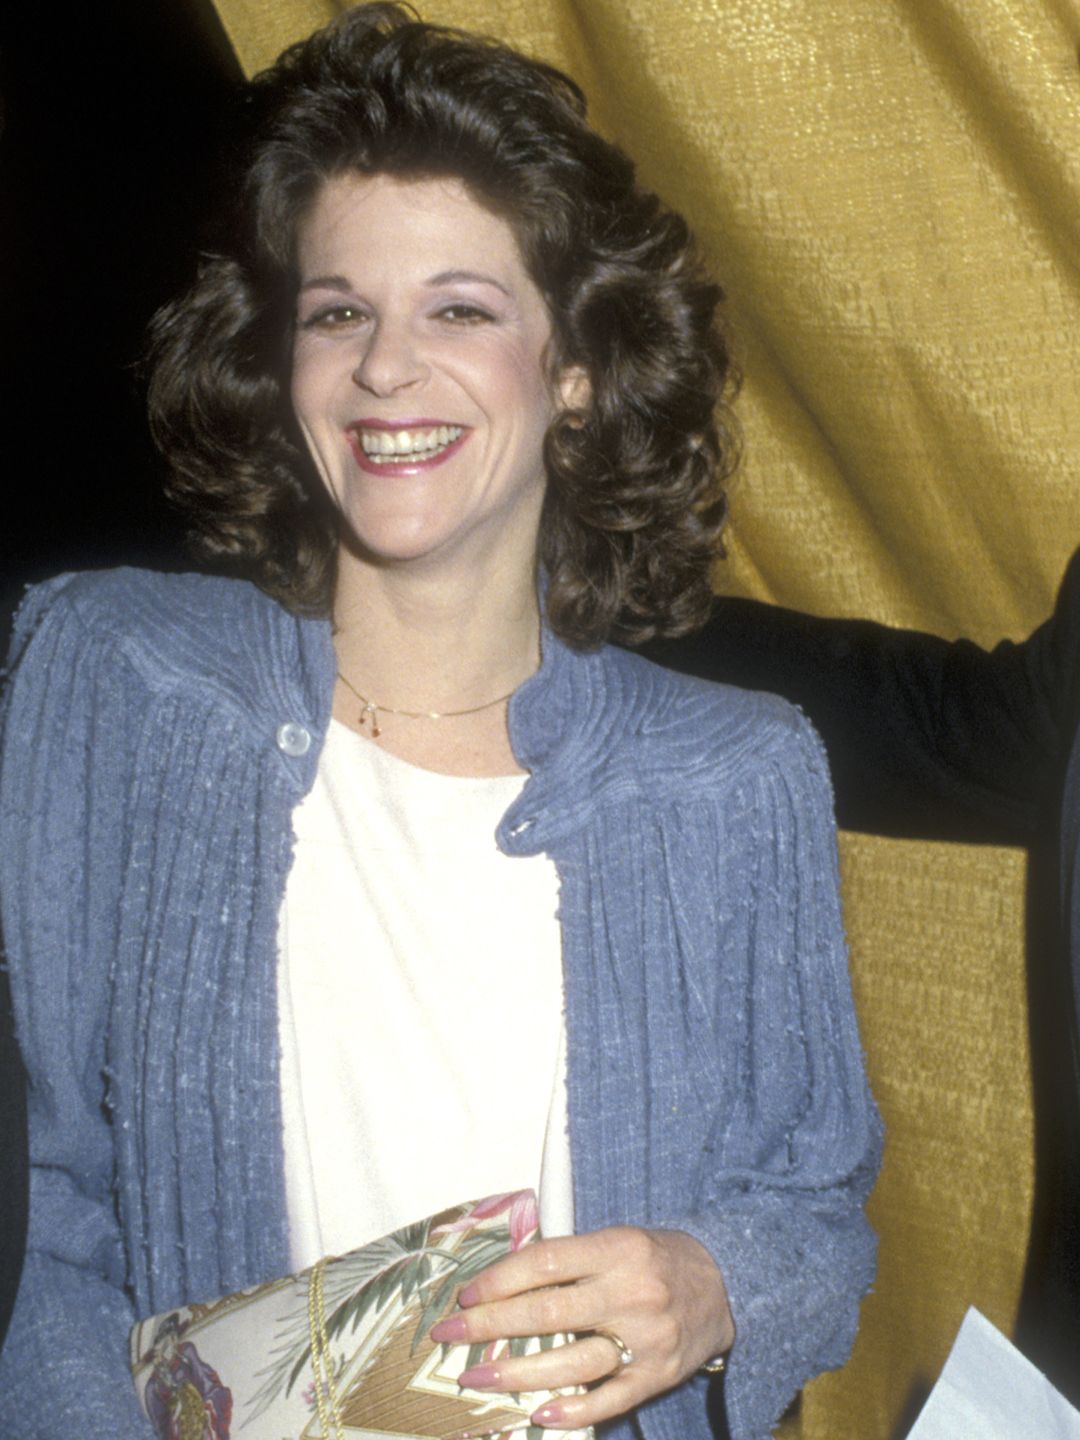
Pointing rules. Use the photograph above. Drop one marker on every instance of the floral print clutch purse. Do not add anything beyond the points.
(341, 1351)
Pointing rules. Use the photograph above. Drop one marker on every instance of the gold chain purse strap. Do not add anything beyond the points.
(322, 1363)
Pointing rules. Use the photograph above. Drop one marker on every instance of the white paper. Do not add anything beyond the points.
(989, 1391)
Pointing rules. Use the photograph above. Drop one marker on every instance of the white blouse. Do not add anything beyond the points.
(420, 1001)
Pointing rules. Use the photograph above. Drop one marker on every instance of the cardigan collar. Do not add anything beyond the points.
(566, 724)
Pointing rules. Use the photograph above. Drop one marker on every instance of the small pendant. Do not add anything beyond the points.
(371, 712)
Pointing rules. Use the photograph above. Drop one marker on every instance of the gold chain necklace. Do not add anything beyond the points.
(322, 1362)
(371, 709)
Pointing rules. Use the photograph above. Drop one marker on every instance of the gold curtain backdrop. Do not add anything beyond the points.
(889, 191)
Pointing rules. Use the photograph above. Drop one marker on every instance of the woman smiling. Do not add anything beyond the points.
(363, 876)
(420, 385)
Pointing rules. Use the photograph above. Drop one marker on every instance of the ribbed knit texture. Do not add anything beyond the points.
(715, 1074)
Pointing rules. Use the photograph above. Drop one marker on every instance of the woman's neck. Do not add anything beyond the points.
(407, 641)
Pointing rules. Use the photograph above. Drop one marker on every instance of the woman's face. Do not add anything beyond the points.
(418, 372)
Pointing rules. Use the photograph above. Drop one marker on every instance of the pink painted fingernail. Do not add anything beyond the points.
(480, 1377)
(547, 1415)
(451, 1330)
(467, 1296)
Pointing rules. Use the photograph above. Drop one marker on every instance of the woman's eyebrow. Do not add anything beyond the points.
(326, 282)
(451, 277)
(444, 277)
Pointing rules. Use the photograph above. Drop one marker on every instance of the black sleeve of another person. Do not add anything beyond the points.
(926, 738)
(13, 1162)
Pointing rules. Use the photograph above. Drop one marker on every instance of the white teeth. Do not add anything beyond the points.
(389, 444)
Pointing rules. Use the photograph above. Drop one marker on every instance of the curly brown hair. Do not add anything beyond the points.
(634, 504)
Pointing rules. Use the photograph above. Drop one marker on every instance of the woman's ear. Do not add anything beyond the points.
(575, 389)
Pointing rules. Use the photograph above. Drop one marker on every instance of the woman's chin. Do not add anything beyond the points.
(404, 550)
(430, 548)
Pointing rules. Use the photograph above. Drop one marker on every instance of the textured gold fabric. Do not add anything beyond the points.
(890, 192)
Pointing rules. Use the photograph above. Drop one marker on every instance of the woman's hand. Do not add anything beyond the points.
(659, 1291)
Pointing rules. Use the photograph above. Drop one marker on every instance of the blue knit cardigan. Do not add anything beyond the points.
(158, 732)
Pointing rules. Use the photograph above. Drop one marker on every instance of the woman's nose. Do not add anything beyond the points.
(390, 360)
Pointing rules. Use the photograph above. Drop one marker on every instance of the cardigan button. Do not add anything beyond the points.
(293, 739)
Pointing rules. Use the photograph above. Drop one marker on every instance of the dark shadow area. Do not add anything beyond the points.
(1048, 1323)
(714, 1408)
(111, 118)
(917, 1398)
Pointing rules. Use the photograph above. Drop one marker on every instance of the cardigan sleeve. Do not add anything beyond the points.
(64, 778)
(927, 738)
(797, 1145)
(14, 1181)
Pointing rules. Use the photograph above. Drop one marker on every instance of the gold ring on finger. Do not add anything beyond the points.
(625, 1354)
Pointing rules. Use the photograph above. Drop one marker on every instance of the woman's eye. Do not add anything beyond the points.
(333, 317)
(465, 314)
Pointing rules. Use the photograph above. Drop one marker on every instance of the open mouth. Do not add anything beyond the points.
(408, 446)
